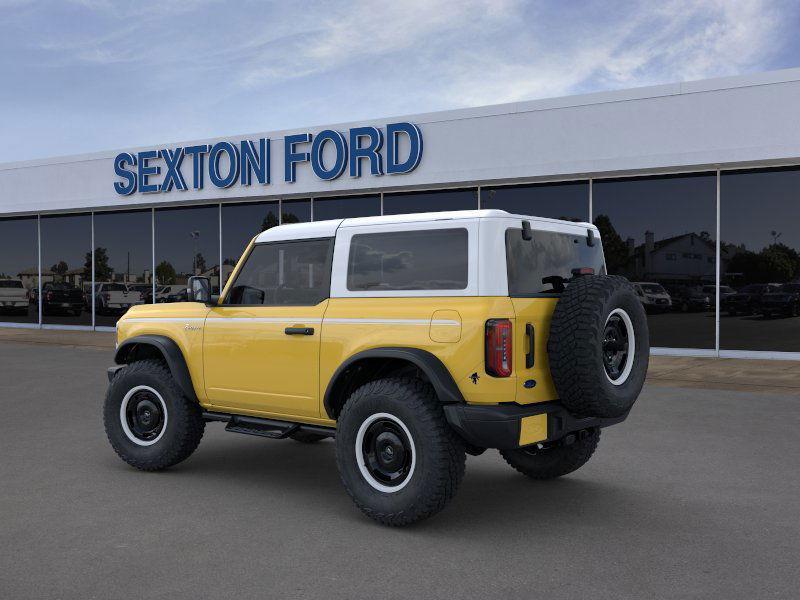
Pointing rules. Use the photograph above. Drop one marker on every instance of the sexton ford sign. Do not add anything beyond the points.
(225, 164)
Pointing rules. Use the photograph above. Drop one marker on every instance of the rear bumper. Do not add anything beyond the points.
(507, 426)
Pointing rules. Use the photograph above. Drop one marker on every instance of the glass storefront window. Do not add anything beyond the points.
(123, 263)
(660, 232)
(187, 243)
(296, 211)
(760, 260)
(67, 269)
(19, 270)
(347, 206)
(240, 223)
(443, 200)
(568, 200)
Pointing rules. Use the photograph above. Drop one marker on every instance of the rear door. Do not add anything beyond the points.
(538, 271)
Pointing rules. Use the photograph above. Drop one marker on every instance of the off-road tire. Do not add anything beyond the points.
(306, 437)
(184, 424)
(576, 346)
(439, 452)
(549, 463)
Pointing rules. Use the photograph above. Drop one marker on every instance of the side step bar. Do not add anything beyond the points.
(269, 428)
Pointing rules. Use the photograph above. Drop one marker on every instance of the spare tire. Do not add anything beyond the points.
(599, 346)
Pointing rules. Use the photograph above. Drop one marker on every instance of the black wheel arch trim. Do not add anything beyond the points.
(171, 353)
(442, 381)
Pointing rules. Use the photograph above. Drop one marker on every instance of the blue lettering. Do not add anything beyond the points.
(393, 132)
(255, 162)
(146, 171)
(173, 176)
(291, 158)
(318, 147)
(197, 153)
(122, 159)
(213, 164)
(371, 151)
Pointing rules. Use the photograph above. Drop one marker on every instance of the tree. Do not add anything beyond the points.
(614, 247)
(165, 273)
(60, 268)
(199, 263)
(102, 270)
(269, 221)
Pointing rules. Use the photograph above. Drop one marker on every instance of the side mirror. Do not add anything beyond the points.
(199, 290)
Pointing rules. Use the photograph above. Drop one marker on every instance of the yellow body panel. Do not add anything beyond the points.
(241, 361)
(532, 429)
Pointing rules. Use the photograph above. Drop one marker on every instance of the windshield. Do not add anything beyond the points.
(652, 288)
(545, 264)
(6, 283)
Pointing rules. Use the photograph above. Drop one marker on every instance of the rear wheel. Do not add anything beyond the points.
(398, 458)
(149, 422)
(549, 462)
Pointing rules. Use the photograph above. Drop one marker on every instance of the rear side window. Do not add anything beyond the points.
(6, 283)
(285, 274)
(544, 264)
(430, 259)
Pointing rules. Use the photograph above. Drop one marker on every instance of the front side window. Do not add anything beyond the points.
(428, 259)
(545, 264)
(284, 274)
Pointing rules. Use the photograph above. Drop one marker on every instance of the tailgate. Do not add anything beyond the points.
(532, 327)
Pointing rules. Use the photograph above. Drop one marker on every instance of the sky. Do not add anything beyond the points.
(81, 76)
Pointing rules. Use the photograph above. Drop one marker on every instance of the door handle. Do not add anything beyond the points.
(530, 332)
(299, 331)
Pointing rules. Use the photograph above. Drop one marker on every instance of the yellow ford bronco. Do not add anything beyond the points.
(411, 339)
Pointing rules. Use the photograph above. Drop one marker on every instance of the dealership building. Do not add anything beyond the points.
(695, 188)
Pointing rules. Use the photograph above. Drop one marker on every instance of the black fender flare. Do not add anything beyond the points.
(442, 381)
(169, 350)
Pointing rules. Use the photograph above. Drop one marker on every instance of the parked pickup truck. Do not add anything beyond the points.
(13, 296)
(61, 297)
(115, 297)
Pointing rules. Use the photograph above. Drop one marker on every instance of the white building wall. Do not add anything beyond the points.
(730, 122)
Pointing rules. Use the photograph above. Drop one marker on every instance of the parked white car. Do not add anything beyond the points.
(13, 296)
(169, 293)
(653, 296)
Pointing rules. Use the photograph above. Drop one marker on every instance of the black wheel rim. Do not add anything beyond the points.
(144, 415)
(615, 347)
(387, 452)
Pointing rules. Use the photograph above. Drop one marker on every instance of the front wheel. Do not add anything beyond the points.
(554, 461)
(397, 456)
(149, 422)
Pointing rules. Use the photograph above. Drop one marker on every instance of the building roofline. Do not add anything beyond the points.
(776, 77)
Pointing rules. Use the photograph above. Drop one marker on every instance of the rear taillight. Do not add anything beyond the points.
(49, 296)
(498, 347)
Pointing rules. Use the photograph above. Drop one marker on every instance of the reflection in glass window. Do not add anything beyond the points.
(417, 202)
(123, 263)
(564, 200)
(295, 211)
(67, 270)
(346, 207)
(545, 264)
(434, 259)
(285, 274)
(19, 270)
(760, 254)
(662, 230)
(240, 223)
(187, 243)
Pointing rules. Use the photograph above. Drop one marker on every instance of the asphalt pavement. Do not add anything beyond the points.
(696, 495)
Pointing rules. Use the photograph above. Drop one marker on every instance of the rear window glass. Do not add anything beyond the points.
(432, 259)
(10, 284)
(544, 264)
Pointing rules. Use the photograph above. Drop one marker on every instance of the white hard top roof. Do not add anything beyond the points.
(323, 229)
